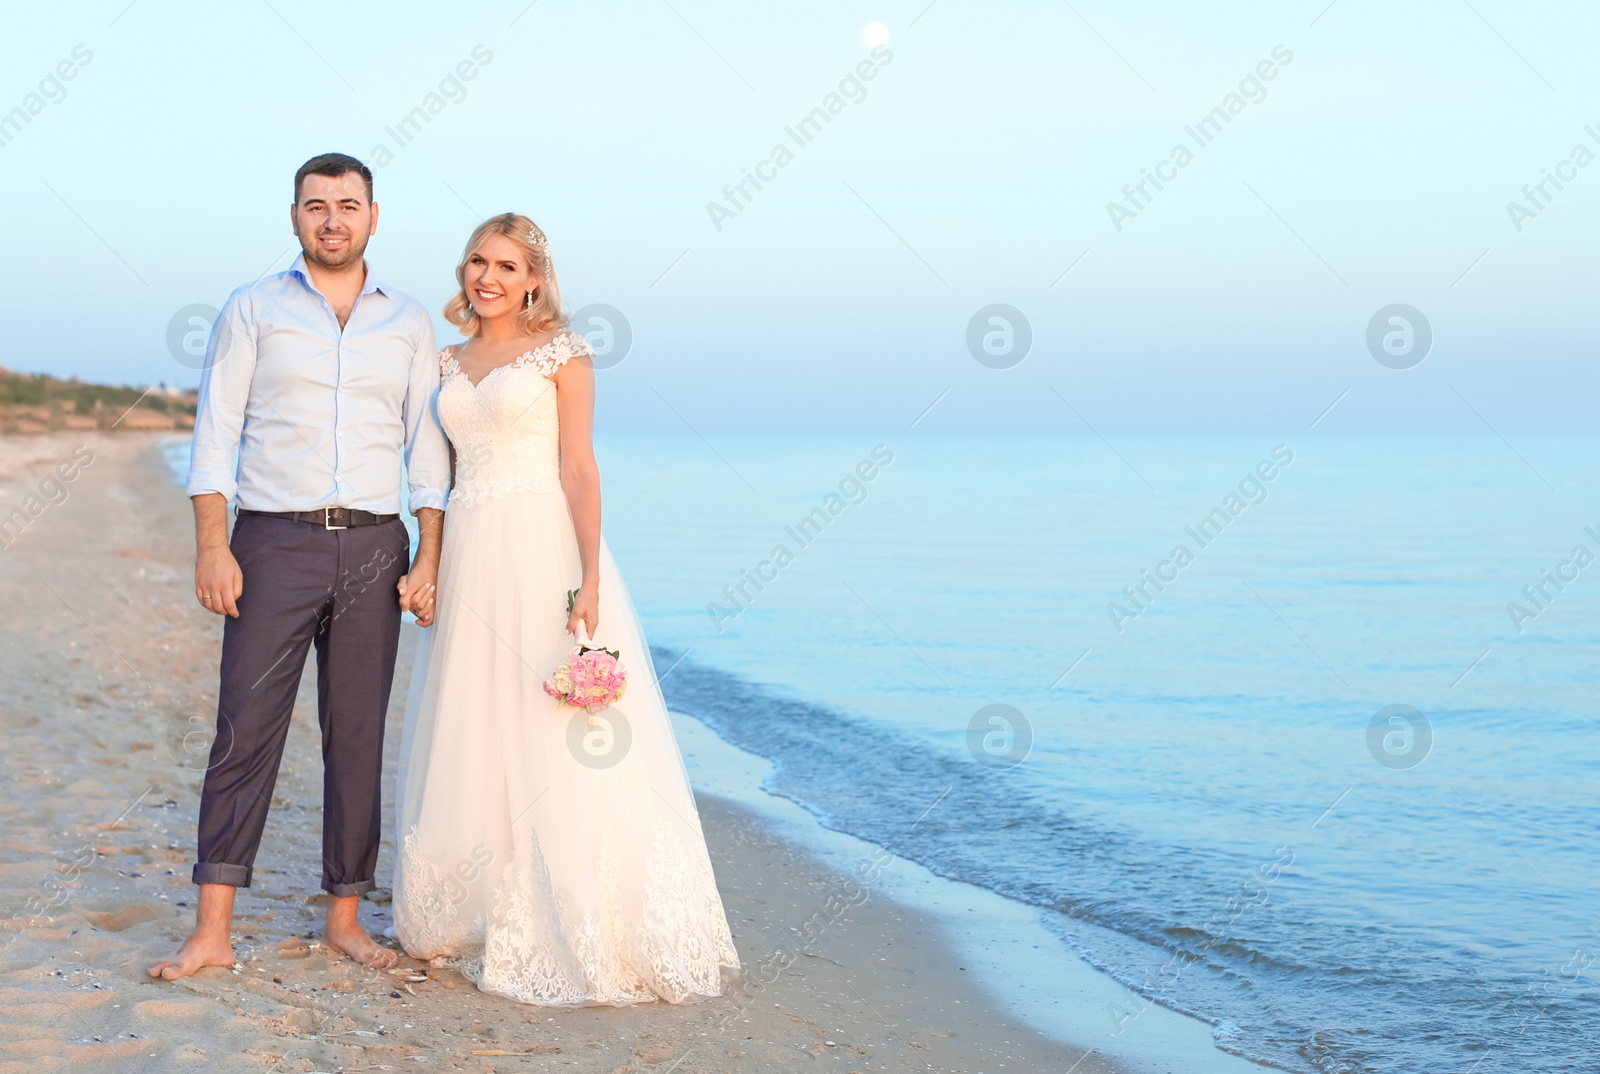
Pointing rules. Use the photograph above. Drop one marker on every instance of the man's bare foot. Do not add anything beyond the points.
(344, 933)
(209, 943)
(354, 941)
(203, 948)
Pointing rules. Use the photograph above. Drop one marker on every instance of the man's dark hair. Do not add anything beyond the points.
(332, 165)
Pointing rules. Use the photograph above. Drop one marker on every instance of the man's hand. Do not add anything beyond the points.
(218, 581)
(418, 591)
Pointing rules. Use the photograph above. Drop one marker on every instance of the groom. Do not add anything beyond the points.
(321, 377)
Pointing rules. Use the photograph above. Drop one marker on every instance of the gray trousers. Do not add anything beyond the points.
(304, 586)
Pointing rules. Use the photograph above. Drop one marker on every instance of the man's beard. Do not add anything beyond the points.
(352, 251)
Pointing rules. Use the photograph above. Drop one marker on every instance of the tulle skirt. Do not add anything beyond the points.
(555, 859)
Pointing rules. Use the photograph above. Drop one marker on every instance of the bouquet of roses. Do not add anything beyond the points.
(592, 679)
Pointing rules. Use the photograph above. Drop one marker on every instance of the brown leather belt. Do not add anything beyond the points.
(329, 518)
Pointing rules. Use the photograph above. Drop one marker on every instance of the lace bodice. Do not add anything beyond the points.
(505, 429)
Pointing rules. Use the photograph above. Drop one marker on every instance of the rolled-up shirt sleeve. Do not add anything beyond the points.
(224, 391)
(427, 450)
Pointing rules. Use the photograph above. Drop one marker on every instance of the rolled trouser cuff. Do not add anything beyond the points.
(216, 872)
(344, 891)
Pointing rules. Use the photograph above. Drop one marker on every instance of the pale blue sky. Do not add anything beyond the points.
(975, 171)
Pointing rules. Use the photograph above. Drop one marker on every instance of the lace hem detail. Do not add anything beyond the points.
(540, 951)
(427, 903)
(670, 942)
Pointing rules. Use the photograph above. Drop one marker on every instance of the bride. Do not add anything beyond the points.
(555, 858)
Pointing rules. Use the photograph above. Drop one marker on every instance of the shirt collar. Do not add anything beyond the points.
(372, 283)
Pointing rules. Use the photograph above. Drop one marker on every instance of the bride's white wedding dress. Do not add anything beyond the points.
(553, 862)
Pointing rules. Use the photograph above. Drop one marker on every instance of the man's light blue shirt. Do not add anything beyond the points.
(319, 416)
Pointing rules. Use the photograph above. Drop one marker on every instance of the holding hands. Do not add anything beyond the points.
(419, 591)
(419, 587)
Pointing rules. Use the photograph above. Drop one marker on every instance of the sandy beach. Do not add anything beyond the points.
(109, 680)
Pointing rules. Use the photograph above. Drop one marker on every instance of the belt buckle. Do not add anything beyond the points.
(331, 513)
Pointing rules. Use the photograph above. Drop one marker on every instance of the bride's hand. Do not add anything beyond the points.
(586, 606)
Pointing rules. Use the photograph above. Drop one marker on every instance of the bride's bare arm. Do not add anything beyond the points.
(580, 479)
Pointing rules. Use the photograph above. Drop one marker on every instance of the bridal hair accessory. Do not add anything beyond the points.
(536, 238)
(592, 679)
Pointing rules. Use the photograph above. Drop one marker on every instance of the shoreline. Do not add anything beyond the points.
(114, 666)
(1000, 945)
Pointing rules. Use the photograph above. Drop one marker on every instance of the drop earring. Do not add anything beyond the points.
(527, 303)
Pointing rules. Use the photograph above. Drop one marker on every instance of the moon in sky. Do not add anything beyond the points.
(875, 34)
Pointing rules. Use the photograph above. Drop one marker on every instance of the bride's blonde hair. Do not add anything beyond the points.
(545, 311)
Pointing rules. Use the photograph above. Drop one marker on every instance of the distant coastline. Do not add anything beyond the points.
(32, 404)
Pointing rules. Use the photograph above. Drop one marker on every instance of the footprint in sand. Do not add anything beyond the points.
(118, 920)
(293, 947)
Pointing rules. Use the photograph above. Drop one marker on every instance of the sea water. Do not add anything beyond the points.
(1322, 779)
